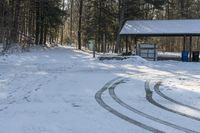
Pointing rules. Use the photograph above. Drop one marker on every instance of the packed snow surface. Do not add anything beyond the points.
(53, 91)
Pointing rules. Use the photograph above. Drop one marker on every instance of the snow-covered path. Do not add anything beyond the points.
(53, 91)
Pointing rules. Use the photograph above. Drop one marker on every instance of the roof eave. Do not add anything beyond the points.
(160, 35)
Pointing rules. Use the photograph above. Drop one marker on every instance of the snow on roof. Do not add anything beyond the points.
(161, 27)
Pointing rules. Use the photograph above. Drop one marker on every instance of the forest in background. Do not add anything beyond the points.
(78, 22)
(26, 22)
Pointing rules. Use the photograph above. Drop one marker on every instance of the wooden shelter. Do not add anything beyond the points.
(158, 28)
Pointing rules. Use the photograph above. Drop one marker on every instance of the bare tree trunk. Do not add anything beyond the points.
(42, 28)
(80, 23)
(62, 27)
(71, 20)
(121, 22)
(37, 32)
(14, 31)
(45, 33)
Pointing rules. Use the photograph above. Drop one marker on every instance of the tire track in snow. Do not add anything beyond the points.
(157, 90)
(100, 101)
(149, 97)
(118, 100)
(4, 108)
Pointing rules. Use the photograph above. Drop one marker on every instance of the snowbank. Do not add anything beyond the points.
(126, 60)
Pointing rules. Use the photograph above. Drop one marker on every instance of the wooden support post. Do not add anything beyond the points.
(190, 48)
(184, 42)
(135, 41)
(126, 45)
(104, 44)
(119, 46)
(94, 49)
(136, 49)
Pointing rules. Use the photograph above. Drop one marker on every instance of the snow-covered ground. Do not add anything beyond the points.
(62, 90)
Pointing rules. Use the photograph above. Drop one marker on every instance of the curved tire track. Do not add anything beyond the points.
(4, 108)
(157, 90)
(118, 100)
(100, 101)
(149, 97)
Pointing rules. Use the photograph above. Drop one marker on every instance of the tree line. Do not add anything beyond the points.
(78, 22)
(30, 21)
(102, 20)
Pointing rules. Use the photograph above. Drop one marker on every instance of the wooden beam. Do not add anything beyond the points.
(135, 40)
(136, 50)
(184, 42)
(190, 48)
(126, 45)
